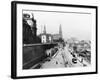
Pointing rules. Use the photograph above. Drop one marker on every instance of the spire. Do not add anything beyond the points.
(60, 31)
(44, 31)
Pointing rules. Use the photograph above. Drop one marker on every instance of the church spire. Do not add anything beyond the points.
(60, 31)
(44, 31)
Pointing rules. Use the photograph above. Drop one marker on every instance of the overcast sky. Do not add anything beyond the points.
(73, 25)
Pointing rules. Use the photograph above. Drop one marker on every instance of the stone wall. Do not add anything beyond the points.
(32, 54)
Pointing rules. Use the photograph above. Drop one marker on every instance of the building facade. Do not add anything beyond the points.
(30, 30)
(50, 38)
(58, 37)
(45, 37)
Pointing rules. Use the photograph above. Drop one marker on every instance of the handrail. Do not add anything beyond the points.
(36, 44)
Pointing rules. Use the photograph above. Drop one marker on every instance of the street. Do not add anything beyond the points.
(63, 58)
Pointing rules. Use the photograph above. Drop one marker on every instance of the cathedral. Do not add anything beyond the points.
(58, 37)
(45, 37)
(30, 32)
(50, 38)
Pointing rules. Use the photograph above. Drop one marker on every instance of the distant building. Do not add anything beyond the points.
(58, 37)
(49, 38)
(45, 37)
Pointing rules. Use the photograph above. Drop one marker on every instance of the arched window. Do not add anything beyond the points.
(43, 39)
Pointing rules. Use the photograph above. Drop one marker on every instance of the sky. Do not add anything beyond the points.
(73, 24)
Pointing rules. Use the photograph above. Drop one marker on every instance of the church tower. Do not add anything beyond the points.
(44, 30)
(60, 31)
(44, 37)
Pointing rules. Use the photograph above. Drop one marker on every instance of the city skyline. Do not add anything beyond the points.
(73, 25)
